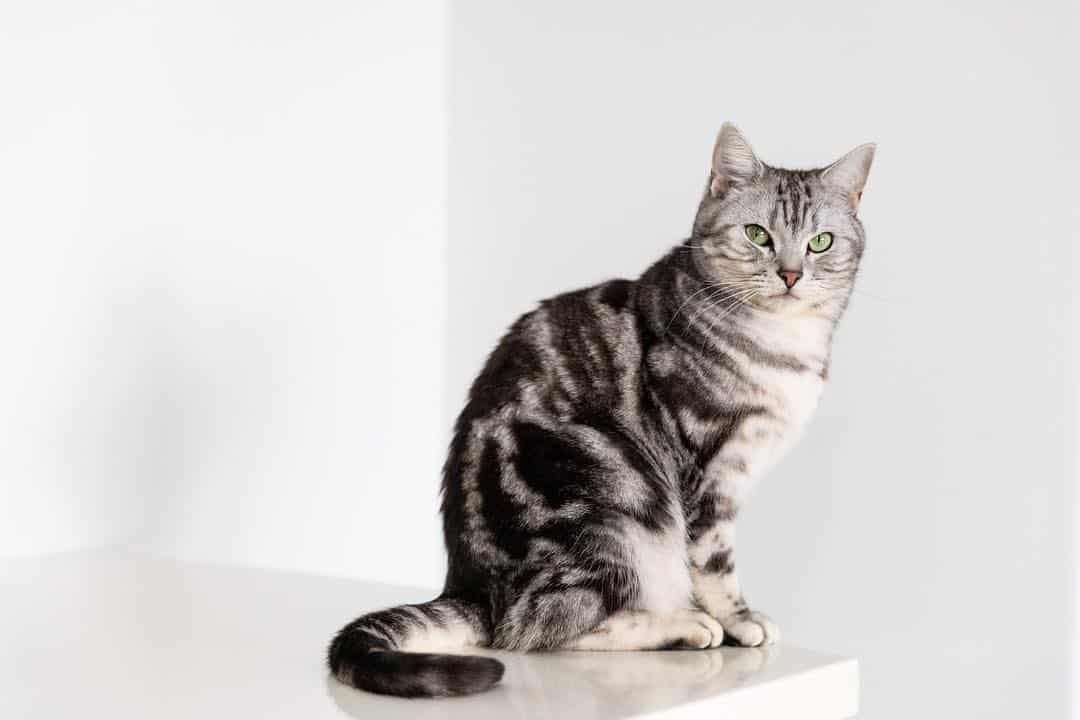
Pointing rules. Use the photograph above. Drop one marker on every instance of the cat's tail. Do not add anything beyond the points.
(402, 651)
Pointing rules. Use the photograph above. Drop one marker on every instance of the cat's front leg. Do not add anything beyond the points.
(716, 586)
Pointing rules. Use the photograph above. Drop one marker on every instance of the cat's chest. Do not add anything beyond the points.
(772, 407)
(791, 398)
(789, 390)
(770, 427)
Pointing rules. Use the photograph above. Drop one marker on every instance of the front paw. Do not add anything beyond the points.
(696, 630)
(747, 628)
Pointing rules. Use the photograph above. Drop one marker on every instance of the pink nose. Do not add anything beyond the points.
(790, 277)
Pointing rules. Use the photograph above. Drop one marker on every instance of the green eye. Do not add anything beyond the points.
(821, 242)
(757, 235)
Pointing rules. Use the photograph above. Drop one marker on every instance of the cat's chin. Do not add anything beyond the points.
(791, 305)
(781, 302)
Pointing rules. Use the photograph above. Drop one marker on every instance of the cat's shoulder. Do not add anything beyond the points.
(615, 294)
(610, 303)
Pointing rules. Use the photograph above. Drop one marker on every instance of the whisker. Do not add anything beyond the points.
(711, 303)
(867, 293)
(709, 286)
(722, 284)
(856, 289)
(715, 321)
(735, 298)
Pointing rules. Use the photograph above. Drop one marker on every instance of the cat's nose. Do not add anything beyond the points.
(790, 277)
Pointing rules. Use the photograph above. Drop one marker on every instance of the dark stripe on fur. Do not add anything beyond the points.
(364, 653)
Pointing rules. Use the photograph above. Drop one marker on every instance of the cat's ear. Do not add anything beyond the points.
(849, 173)
(733, 161)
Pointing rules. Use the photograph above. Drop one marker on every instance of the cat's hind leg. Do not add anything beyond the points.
(556, 603)
(643, 630)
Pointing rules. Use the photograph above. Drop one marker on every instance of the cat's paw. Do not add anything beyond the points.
(697, 630)
(748, 628)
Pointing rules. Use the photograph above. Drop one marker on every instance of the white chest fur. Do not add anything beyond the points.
(787, 398)
(762, 439)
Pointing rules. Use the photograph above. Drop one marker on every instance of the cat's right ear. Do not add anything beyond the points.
(733, 161)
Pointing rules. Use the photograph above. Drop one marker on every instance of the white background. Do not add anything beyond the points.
(222, 296)
(254, 253)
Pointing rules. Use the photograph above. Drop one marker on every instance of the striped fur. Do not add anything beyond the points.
(597, 469)
(403, 651)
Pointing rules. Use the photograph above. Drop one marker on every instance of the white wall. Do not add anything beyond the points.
(75, 148)
(222, 286)
(923, 524)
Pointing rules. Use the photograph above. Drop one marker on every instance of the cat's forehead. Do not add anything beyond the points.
(792, 199)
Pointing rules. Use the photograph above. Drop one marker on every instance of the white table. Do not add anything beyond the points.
(119, 635)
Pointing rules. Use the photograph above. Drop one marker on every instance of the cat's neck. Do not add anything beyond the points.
(688, 306)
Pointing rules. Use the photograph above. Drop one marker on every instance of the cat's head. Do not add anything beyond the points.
(781, 240)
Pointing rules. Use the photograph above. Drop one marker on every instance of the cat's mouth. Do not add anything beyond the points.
(786, 301)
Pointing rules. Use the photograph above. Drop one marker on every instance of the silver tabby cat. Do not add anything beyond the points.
(596, 472)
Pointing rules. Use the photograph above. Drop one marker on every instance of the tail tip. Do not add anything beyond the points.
(479, 674)
(417, 674)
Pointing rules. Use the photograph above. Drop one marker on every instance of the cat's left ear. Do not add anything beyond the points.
(849, 173)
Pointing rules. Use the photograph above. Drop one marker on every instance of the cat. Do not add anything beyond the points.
(594, 476)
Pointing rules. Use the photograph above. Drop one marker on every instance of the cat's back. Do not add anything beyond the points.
(576, 351)
(548, 418)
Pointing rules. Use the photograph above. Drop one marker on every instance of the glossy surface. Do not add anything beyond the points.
(124, 636)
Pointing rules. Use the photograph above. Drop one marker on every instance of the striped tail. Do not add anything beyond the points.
(402, 651)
